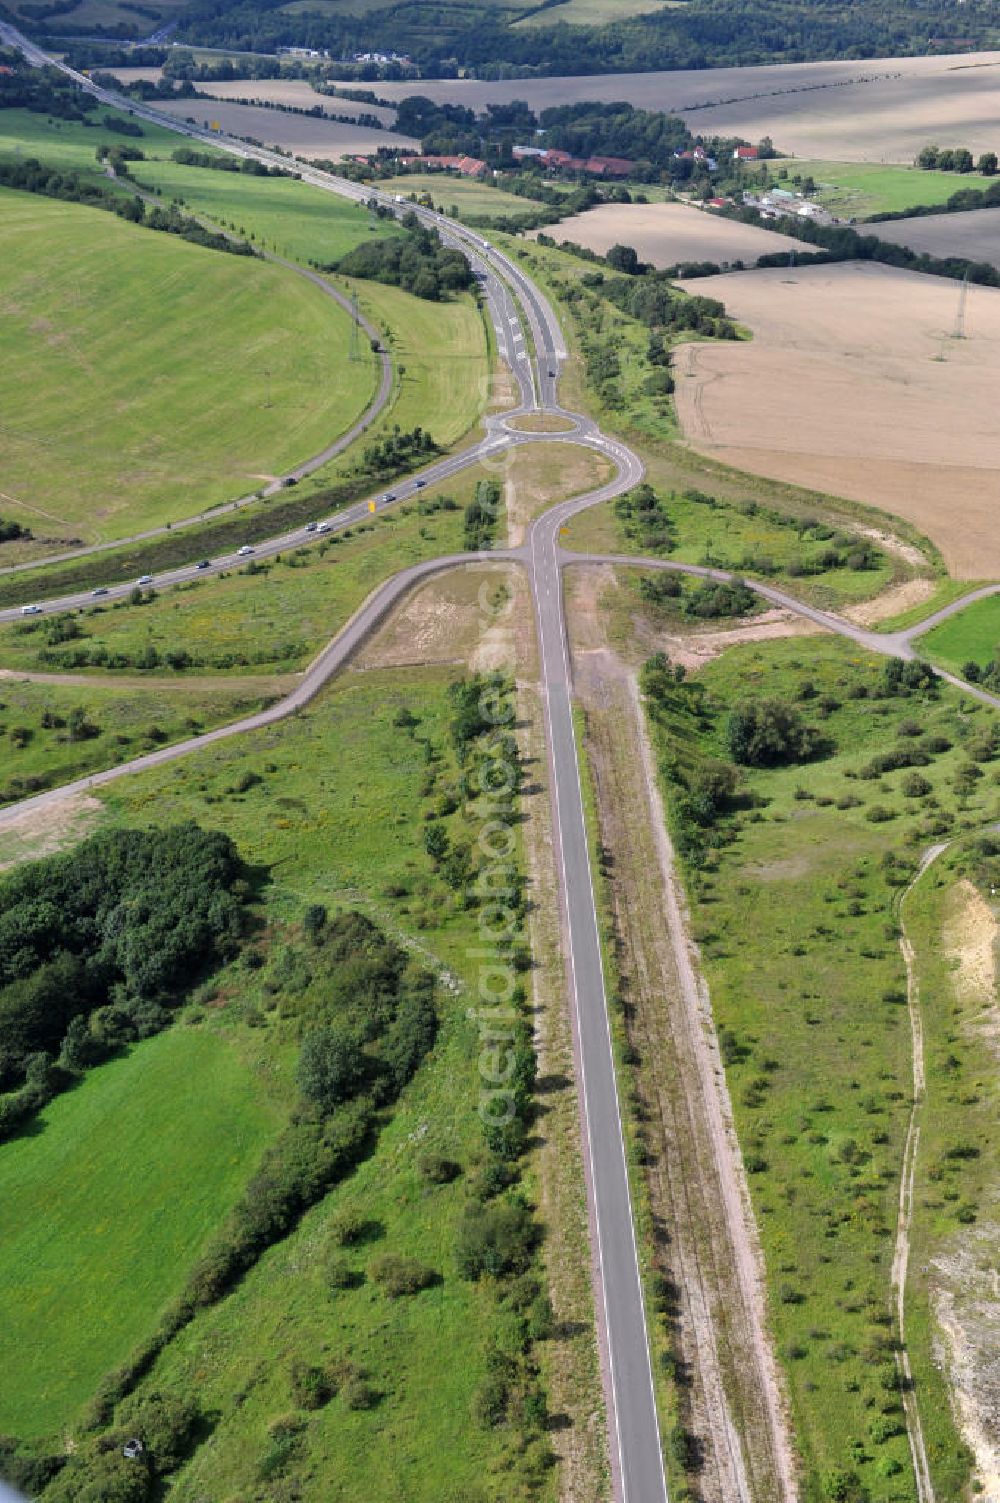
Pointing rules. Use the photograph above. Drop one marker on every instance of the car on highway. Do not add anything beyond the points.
(101, 590)
(390, 495)
(419, 484)
(244, 552)
(322, 527)
(204, 563)
(31, 610)
(145, 579)
(552, 374)
(311, 526)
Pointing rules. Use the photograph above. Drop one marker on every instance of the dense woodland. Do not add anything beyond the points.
(98, 945)
(416, 261)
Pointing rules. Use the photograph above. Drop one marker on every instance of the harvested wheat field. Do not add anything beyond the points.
(974, 234)
(303, 135)
(869, 110)
(853, 385)
(666, 234)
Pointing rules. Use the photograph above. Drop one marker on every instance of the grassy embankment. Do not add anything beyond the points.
(793, 905)
(469, 197)
(348, 828)
(779, 545)
(53, 733)
(147, 377)
(134, 1169)
(972, 635)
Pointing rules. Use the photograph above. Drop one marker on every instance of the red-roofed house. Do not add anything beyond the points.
(745, 154)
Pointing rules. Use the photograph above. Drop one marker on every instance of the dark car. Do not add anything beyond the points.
(419, 484)
(204, 563)
(101, 590)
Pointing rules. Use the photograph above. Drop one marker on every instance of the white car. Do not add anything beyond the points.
(145, 579)
(31, 610)
(244, 552)
(322, 527)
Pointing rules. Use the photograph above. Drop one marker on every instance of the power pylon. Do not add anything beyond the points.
(958, 332)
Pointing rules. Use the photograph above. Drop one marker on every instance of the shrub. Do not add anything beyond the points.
(340, 1275)
(310, 1385)
(398, 1275)
(495, 1239)
(915, 785)
(359, 1394)
(439, 1170)
(768, 732)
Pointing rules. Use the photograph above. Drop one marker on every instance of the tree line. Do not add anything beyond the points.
(479, 40)
(32, 176)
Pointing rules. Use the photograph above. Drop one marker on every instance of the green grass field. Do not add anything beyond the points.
(468, 196)
(120, 721)
(147, 377)
(70, 144)
(289, 217)
(794, 913)
(853, 190)
(972, 635)
(107, 1205)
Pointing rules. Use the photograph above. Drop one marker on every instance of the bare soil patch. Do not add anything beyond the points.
(41, 832)
(666, 234)
(303, 135)
(967, 1307)
(974, 234)
(539, 475)
(892, 602)
(480, 615)
(852, 385)
(868, 110)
